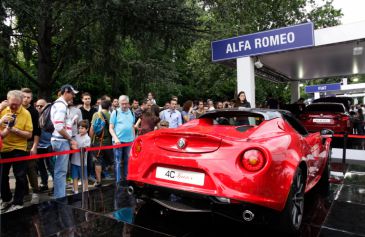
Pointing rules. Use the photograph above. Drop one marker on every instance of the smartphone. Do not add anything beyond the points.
(12, 123)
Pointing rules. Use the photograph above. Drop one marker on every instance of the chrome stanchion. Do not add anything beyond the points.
(83, 194)
(345, 140)
(82, 155)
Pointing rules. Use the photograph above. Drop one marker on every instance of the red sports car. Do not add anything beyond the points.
(252, 165)
(334, 116)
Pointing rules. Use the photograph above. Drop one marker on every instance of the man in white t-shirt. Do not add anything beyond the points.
(62, 137)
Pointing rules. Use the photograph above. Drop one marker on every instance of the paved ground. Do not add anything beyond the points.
(47, 195)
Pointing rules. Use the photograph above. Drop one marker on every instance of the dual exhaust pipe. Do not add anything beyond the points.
(130, 190)
(248, 215)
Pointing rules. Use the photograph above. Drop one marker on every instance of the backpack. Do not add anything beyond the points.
(45, 121)
(99, 124)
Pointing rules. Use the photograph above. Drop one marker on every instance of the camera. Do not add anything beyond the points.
(12, 123)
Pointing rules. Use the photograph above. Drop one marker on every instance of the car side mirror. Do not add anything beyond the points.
(326, 133)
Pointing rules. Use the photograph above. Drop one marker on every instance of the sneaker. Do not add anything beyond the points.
(92, 179)
(107, 176)
(35, 198)
(6, 205)
(14, 207)
(43, 188)
(97, 184)
(50, 192)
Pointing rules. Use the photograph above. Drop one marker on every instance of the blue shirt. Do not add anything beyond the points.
(191, 116)
(172, 116)
(123, 125)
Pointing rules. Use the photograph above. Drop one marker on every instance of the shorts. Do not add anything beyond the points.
(76, 171)
(105, 158)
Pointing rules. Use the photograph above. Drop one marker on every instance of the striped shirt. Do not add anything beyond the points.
(60, 117)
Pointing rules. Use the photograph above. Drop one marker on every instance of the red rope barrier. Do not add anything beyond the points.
(356, 136)
(39, 156)
(350, 136)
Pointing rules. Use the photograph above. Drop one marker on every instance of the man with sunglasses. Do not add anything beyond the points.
(44, 146)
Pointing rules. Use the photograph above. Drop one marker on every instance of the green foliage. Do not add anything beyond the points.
(132, 47)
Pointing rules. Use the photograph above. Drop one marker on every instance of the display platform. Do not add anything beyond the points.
(110, 211)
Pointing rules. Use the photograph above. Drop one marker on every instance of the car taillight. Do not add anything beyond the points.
(345, 118)
(253, 160)
(137, 147)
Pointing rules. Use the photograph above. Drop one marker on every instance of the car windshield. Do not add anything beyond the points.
(236, 119)
(325, 107)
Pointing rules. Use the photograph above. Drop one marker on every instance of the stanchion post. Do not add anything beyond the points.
(345, 140)
(82, 155)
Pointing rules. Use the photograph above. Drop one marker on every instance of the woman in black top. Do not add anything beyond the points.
(242, 101)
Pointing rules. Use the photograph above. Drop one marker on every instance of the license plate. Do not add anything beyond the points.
(322, 120)
(182, 176)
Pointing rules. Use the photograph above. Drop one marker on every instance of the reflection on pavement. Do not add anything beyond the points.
(111, 211)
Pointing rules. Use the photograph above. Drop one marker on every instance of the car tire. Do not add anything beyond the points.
(292, 216)
(324, 184)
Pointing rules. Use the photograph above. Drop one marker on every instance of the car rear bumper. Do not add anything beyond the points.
(334, 128)
(183, 201)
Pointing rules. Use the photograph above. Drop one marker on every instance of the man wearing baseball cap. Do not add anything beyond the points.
(62, 137)
(68, 88)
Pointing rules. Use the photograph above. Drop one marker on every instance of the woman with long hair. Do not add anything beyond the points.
(188, 111)
(242, 101)
(148, 122)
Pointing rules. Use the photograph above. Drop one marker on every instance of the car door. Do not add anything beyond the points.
(310, 145)
(314, 155)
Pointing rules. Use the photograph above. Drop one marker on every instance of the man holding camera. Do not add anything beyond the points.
(16, 128)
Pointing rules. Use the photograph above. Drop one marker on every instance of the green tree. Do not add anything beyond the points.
(132, 47)
(58, 41)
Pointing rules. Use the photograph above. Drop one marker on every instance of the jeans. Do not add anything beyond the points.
(19, 170)
(60, 169)
(120, 154)
(45, 162)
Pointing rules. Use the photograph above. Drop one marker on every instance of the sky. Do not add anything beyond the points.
(353, 10)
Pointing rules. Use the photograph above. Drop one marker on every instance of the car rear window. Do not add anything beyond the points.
(325, 107)
(237, 120)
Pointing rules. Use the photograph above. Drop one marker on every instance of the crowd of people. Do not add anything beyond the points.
(24, 131)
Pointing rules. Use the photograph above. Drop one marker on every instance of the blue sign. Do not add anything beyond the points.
(282, 39)
(323, 88)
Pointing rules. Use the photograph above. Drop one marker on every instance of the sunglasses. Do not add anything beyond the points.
(39, 106)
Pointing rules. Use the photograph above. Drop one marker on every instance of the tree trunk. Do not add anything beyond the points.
(45, 64)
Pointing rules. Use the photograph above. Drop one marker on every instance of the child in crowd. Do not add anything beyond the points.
(83, 140)
(163, 124)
